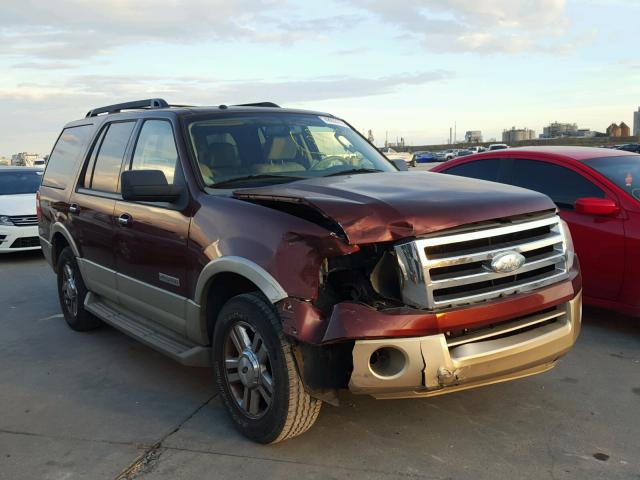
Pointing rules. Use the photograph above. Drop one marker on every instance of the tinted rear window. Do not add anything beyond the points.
(64, 159)
(15, 183)
(482, 169)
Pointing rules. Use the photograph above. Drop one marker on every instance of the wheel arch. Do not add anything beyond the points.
(226, 277)
(61, 238)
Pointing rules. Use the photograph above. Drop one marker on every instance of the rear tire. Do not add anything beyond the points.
(256, 374)
(72, 292)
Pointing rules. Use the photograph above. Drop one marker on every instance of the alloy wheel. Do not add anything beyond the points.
(248, 370)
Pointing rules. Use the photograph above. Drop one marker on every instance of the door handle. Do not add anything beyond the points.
(125, 220)
(74, 208)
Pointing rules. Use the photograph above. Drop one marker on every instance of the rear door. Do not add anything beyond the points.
(93, 203)
(598, 240)
(151, 238)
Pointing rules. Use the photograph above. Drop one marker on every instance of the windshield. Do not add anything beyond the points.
(15, 183)
(623, 171)
(279, 147)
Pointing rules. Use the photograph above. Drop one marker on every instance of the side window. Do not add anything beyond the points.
(562, 185)
(64, 159)
(488, 169)
(106, 171)
(156, 149)
(86, 182)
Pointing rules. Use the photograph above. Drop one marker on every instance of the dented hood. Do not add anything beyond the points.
(380, 207)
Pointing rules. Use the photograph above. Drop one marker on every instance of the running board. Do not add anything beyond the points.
(158, 338)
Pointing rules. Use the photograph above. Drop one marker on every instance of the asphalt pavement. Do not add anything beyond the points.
(99, 405)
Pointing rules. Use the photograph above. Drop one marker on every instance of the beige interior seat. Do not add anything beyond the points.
(223, 159)
(282, 156)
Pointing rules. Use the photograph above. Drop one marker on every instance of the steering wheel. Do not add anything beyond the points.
(330, 161)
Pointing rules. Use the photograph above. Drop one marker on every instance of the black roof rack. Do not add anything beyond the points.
(259, 104)
(149, 103)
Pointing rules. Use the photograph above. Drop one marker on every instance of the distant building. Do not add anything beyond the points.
(625, 131)
(557, 129)
(5, 161)
(636, 123)
(369, 137)
(473, 136)
(615, 130)
(518, 135)
(24, 159)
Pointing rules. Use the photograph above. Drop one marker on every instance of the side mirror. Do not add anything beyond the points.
(596, 206)
(148, 186)
(400, 165)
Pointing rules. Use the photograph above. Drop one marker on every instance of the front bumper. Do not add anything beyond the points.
(17, 239)
(436, 364)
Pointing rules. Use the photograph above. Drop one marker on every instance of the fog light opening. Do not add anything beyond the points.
(387, 362)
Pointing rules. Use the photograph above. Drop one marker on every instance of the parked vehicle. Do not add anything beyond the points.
(497, 146)
(597, 192)
(477, 149)
(445, 155)
(426, 157)
(629, 147)
(463, 153)
(18, 221)
(282, 249)
(407, 157)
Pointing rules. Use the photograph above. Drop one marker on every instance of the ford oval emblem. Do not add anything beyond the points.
(507, 262)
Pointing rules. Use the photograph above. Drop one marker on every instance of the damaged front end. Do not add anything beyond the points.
(424, 314)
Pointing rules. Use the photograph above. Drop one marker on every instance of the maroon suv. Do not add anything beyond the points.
(282, 249)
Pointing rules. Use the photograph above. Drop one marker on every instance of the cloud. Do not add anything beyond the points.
(487, 26)
(55, 104)
(75, 29)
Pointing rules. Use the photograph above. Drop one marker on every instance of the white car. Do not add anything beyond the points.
(18, 220)
(391, 154)
(498, 146)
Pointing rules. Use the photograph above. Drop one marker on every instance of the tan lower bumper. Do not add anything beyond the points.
(434, 365)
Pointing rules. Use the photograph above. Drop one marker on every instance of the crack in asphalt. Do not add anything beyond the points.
(305, 464)
(146, 461)
(72, 439)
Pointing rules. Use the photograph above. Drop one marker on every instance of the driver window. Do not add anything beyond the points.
(156, 149)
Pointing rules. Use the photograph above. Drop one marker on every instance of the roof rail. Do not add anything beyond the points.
(259, 104)
(149, 103)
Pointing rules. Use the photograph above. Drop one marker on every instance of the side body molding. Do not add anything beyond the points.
(246, 268)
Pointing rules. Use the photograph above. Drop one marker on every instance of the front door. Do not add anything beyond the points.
(151, 238)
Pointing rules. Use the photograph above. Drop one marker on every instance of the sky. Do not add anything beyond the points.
(398, 67)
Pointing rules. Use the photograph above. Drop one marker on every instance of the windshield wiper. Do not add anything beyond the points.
(262, 176)
(354, 170)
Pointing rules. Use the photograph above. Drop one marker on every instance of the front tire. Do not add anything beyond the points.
(72, 292)
(256, 374)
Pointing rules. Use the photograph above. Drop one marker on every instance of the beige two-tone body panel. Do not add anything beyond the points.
(436, 364)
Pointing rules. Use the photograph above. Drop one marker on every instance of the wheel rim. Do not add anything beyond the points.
(69, 289)
(248, 370)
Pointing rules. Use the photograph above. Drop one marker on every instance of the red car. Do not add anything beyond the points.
(597, 192)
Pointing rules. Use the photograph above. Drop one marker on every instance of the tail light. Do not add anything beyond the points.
(38, 208)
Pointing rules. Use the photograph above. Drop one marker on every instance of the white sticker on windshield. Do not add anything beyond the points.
(333, 121)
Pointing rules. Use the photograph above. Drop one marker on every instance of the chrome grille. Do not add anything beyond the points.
(24, 220)
(450, 270)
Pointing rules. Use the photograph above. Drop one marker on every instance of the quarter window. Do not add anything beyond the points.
(156, 149)
(106, 171)
(63, 162)
(562, 185)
